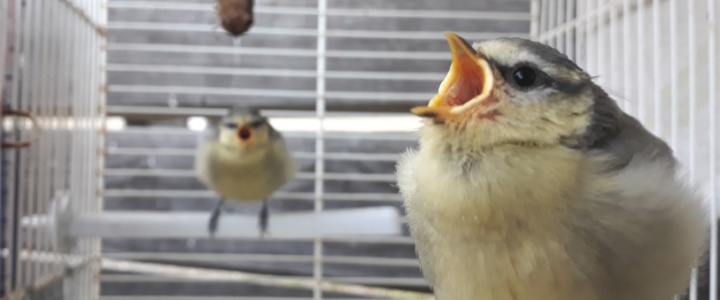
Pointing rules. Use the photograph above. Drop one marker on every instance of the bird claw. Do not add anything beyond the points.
(215, 218)
(212, 226)
(263, 219)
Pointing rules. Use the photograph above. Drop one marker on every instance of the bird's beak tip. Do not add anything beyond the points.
(460, 48)
(438, 114)
(466, 64)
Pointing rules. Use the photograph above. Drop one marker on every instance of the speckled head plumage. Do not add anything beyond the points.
(516, 91)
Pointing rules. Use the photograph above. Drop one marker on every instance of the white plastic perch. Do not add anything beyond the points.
(364, 221)
(64, 225)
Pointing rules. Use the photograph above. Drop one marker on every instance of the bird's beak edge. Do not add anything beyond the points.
(470, 80)
(245, 135)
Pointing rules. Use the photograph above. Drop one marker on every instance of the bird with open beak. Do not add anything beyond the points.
(247, 161)
(530, 183)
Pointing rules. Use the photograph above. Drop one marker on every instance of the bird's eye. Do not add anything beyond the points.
(231, 125)
(524, 76)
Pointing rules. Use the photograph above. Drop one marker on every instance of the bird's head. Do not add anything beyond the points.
(513, 91)
(244, 128)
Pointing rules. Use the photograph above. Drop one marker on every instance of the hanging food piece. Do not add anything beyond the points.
(236, 16)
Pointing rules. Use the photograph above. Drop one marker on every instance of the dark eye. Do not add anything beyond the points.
(524, 76)
(231, 125)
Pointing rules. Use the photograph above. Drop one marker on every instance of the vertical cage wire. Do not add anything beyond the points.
(54, 73)
(712, 137)
(693, 106)
(601, 44)
(320, 142)
(43, 154)
(674, 91)
(590, 47)
(535, 16)
(559, 20)
(641, 99)
(688, 124)
(4, 23)
(657, 56)
(543, 25)
(614, 45)
(31, 40)
(552, 20)
(101, 16)
(570, 34)
(11, 214)
(627, 58)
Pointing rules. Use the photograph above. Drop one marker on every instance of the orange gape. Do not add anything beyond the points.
(236, 16)
(245, 134)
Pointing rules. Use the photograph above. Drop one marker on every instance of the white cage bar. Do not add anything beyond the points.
(668, 75)
(51, 67)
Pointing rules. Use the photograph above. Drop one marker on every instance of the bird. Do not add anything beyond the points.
(529, 182)
(236, 16)
(247, 160)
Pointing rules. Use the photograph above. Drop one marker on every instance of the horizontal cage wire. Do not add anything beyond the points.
(337, 79)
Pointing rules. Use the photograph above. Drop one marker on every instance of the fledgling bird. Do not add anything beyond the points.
(530, 183)
(236, 16)
(247, 161)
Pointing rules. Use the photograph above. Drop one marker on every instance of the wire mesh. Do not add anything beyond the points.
(5, 20)
(659, 59)
(51, 59)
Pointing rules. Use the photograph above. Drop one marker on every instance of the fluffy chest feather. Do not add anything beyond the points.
(503, 189)
(502, 212)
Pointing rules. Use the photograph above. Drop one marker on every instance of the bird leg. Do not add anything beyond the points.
(215, 217)
(263, 218)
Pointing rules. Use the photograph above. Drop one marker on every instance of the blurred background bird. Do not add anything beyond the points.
(236, 16)
(247, 160)
(531, 183)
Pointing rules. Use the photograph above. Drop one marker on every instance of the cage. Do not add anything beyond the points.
(104, 102)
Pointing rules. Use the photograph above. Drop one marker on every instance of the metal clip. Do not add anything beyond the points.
(21, 113)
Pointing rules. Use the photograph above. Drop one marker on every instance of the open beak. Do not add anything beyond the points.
(469, 81)
(245, 134)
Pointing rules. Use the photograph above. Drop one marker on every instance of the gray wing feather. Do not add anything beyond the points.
(646, 228)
